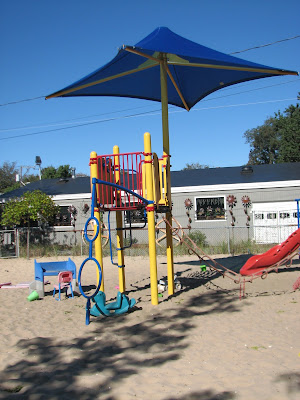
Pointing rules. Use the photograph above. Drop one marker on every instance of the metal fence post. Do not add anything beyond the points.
(228, 237)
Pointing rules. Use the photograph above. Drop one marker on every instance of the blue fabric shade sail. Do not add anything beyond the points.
(194, 71)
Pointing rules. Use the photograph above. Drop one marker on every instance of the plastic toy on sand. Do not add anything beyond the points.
(33, 296)
(120, 306)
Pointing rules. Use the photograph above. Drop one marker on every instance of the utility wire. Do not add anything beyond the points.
(265, 45)
(79, 125)
(21, 101)
(138, 115)
(65, 122)
(74, 120)
(250, 90)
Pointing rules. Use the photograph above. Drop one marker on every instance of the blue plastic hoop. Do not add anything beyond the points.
(85, 229)
(100, 278)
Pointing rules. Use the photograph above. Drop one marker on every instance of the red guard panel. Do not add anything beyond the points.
(129, 166)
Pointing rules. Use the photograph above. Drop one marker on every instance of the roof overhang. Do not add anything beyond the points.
(236, 186)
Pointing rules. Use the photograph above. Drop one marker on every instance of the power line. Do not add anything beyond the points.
(265, 45)
(78, 125)
(21, 101)
(250, 90)
(140, 115)
(65, 122)
(243, 104)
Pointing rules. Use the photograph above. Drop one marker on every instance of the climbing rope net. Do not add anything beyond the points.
(226, 272)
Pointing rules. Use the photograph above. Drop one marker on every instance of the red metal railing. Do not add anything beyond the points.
(124, 169)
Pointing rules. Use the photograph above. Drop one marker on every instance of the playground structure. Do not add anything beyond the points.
(157, 68)
(90, 233)
(141, 181)
(128, 182)
(160, 230)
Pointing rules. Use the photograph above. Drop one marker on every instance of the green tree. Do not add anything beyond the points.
(81, 174)
(14, 186)
(48, 172)
(277, 140)
(289, 127)
(63, 171)
(8, 173)
(30, 178)
(33, 206)
(264, 142)
(194, 166)
(25, 179)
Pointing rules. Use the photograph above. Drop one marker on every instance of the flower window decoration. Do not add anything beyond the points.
(201, 211)
(231, 201)
(73, 212)
(246, 204)
(85, 208)
(188, 205)
(209, 210)
(246, 201)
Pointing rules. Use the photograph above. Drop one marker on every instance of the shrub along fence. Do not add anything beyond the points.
(41, 242)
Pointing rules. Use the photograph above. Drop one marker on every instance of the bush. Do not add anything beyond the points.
(198, 238)
(127, 242)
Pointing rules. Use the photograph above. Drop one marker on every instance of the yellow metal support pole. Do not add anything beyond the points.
(151, 219)
(119, 223)
(98, 243)
(166, 154)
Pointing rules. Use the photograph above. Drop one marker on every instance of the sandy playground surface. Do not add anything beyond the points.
(204, 343)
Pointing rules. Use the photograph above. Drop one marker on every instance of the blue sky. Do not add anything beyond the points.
(46, 45)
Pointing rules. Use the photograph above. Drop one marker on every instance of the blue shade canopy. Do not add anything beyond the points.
(194, 71)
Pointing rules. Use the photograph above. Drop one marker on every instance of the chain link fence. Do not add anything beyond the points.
(38, 242)
(9, 244)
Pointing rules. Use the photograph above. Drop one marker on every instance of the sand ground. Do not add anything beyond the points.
(202, 343)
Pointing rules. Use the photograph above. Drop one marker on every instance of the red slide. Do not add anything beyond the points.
(256, 264)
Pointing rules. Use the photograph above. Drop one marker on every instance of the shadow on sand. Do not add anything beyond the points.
(93, 366)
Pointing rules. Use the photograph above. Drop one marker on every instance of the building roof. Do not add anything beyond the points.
(53, 187)
(234, 175)
(209, 177)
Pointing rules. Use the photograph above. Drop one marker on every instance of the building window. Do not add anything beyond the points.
(63, 218)
(210, 208)
(284, 215)
(259, 216)
(271, 215)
